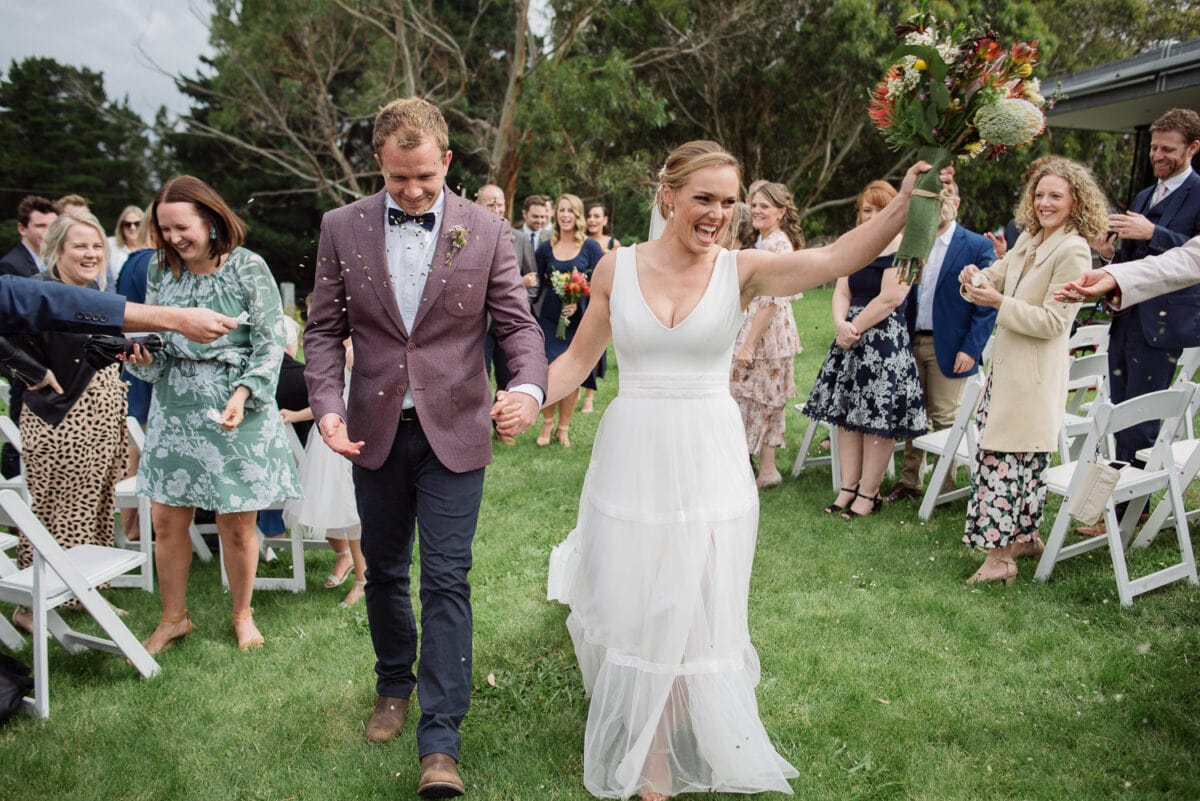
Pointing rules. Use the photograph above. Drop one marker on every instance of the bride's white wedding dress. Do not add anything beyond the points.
(657, 569)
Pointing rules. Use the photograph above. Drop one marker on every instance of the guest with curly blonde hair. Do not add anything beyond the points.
(1061, 208)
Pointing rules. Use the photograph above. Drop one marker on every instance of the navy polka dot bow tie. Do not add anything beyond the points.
(400, 217)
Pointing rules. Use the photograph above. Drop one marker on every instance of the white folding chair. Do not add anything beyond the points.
(1160, 473)
(1089, 336)
(56, 576)
(804, 460)
(952, 447)
(8, 634)
(127, 498)
(1186, 456)
(294, 540)
(1084, 374)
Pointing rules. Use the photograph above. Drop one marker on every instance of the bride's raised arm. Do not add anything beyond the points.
(781, 274)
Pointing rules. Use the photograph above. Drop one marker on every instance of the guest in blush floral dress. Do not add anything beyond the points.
(764, 354)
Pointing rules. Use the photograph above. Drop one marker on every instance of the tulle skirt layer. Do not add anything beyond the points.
(657, 574)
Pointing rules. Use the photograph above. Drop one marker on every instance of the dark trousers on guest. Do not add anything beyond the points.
(1135, 369)
(413, 487)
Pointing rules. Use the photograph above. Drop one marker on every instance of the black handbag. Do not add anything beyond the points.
(15, 684)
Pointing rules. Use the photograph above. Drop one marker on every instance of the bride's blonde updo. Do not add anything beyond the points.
(684, 161)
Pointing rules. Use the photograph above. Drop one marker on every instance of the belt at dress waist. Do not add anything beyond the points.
(674, 385)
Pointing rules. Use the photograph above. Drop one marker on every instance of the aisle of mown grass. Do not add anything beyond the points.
(884, 676)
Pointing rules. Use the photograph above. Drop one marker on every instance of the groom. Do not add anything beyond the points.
(412, 274)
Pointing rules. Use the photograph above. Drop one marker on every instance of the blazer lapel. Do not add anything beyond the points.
(371, 230)
(1173, 202)
(435, 283)
(1141, 203)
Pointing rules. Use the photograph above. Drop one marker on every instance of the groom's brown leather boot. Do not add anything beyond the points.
(387, 719)
(439, 777)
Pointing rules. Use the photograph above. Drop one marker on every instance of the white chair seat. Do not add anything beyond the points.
(126, 486)
(936, 441)
(1134, 481)
(1181, 451)
(95, 563)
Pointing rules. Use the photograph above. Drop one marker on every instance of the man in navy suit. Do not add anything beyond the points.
(1146, 339)
(948, 332)
(34, 215)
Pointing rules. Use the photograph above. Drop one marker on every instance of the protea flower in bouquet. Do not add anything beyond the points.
(952, 91)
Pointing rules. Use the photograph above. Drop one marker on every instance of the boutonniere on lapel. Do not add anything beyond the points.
(458, 236)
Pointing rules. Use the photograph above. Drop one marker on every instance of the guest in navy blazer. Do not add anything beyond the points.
(948, 332)
(1146, 339)
(37, 306)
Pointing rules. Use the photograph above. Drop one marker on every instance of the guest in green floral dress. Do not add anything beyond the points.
(214, 438)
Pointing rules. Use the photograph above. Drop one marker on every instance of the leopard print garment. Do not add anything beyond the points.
(72, 468)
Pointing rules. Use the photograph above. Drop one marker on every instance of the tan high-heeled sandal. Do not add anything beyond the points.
(168, 621)
(544, 435)
(563, 439)
(1010, 572)
(253, 642)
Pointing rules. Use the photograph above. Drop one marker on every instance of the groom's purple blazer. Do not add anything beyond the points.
(442, 357)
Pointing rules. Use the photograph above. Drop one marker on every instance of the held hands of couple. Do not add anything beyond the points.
(514, 412)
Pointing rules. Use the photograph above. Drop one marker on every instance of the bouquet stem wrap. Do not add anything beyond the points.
(563, 322)
(924, 215)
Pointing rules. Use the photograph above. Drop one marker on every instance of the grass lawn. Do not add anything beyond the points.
(884, 675)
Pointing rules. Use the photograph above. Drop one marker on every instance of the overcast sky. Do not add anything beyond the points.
(105, 36)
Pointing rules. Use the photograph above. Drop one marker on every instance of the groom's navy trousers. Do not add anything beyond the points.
(413, 487)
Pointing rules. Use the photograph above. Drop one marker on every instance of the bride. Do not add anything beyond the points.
(657, 569)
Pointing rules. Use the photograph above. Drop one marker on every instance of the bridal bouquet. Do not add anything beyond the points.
(952, 91)
(572, 287)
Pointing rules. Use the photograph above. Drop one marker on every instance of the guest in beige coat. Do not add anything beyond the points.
(1022, 408)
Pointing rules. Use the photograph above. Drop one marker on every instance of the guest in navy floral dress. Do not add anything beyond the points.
(568, 249)
(868, 386)
(1061, 209)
